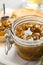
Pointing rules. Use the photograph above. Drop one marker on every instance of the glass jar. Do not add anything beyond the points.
(27, 49)
(3, 25)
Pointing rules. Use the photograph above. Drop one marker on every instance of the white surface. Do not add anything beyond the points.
(11, 3)
(9, 11)
(12, 58)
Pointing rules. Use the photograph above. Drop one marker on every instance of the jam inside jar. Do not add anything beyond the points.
(28, 37)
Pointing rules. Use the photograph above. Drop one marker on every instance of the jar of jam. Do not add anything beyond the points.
(28, 37)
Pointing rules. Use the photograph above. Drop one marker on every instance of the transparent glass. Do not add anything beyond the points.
(29, 50)
(3, 24)
(2, 37)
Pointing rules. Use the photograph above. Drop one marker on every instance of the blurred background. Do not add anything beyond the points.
(11, 3)
(15, 3)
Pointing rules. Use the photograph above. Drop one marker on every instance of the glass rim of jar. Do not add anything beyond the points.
(20, 20)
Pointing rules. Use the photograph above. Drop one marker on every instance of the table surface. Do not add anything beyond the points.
(12, 58)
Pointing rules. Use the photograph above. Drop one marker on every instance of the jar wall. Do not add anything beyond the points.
(29, 53)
